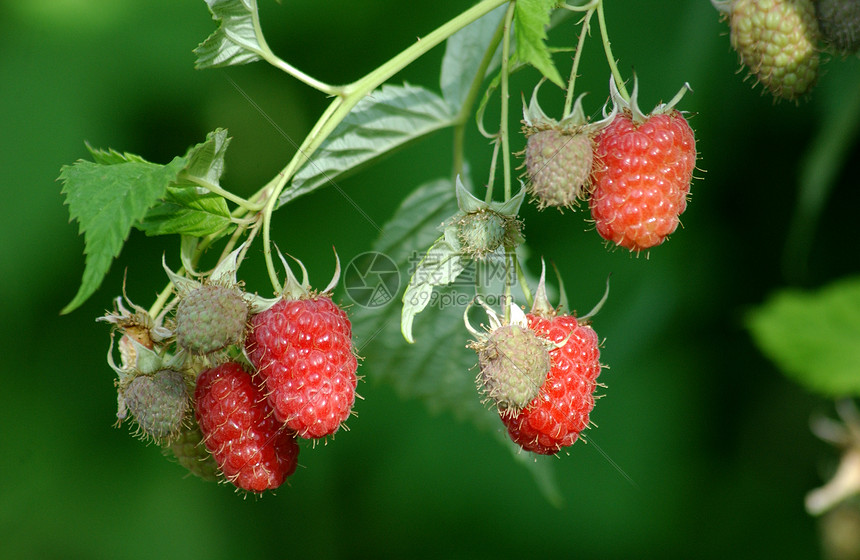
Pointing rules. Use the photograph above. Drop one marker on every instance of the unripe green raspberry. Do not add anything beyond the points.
(211, 318)
(776, 40)
(839, 22)
(191, 453)
(482, 232)
(514, 364)
(558, 165)
(159, 403)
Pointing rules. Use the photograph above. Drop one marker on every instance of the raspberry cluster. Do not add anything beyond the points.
(540, 370)
(633, 169)
(230, 381)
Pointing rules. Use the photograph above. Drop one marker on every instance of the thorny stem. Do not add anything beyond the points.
(610, 58)
(471, 96)
(510, 256)
(266, 199)
(524, 285)
(270, 57)
(503, 127)
(488, 197)
(162, 298)
(568, 99)
(321, 130)
(299, 75)
(238, 200)
(348, 97)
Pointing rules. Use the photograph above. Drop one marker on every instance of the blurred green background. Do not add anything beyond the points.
(714, 439)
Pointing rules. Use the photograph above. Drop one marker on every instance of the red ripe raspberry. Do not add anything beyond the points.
(303, 350)
(641, 177)
(252, 449)
(556, 416)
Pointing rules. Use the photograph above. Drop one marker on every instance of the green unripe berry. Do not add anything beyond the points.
(514, 364)
(483, 232)
(210, 318)
(558, 166)
(839, 21)
(159, 403)
(191, 453)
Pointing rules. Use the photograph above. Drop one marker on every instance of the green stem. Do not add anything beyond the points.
(506, 146)
(568, 99)
(266, 53)
(161, 299)
(510, 264)
(616, 75)
(299, 75)
(472, 95)
(524, 285)
(378, 76)
(503, 127)
(239, 201)
(312, 141)
(348, 97)
(488, 197)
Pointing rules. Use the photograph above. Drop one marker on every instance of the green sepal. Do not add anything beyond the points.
(468, 203)
(441, 265)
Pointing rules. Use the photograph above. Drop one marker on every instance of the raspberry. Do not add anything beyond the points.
(303, 350)
(839, 23)
(642, 175)
(776, 41)
(558, 164)
(252, 449)
(514, 364)
(560, 411)
(558, 154)
(482, 232)
(158, 402)
(191, 453)
(210, 318)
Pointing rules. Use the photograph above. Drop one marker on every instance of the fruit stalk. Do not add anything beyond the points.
(610, 58)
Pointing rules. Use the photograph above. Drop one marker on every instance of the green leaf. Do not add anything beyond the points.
(111, 156)
(237, 39)
(106, 199)
(530, 22)
(187, 208)
(206, 160)
(185, 211)
(438, 368)
(464, 52)
(814, 337)
(383, 121)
